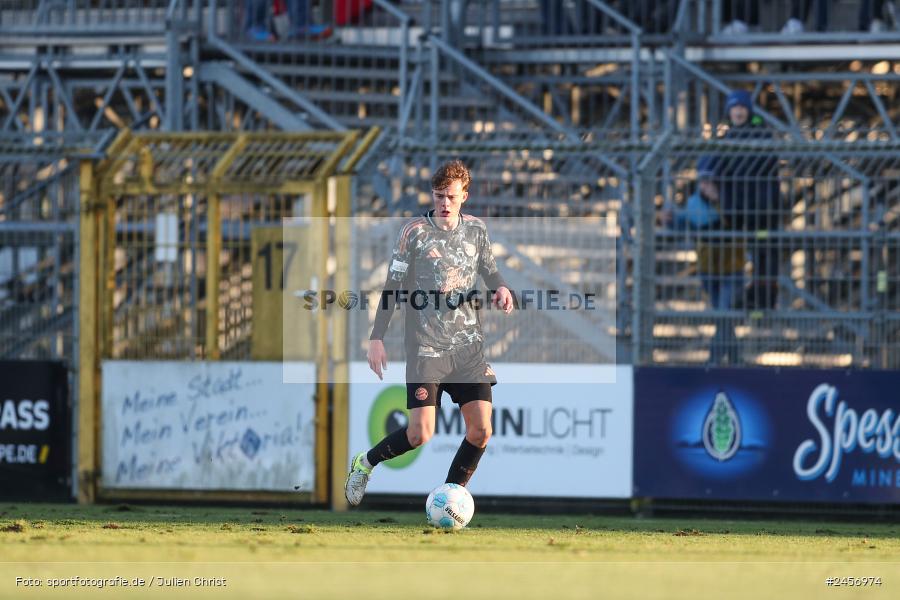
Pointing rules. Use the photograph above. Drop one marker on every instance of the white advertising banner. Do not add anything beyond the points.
(553, 440)
(207, 426)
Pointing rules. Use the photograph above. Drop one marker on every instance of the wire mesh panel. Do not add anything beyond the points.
(176, 199)
(514, 173)
(159, 266)
(770, 254)
(554, 216)
(38, 260)
(767, 249)
(562, 272)
(241, 215)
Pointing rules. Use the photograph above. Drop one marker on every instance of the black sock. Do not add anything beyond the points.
(394, 444)
(464, 463)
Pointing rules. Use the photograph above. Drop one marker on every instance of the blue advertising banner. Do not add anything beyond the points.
(764, 434)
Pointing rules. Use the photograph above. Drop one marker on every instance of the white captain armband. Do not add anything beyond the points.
(399, 267)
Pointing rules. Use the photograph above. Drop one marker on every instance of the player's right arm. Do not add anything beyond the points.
(398, 274)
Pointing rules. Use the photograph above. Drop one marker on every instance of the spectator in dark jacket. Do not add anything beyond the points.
(750, 196)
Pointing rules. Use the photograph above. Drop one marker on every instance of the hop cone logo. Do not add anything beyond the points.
(722, 429)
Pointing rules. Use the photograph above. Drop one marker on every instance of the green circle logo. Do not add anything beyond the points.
(388, 414)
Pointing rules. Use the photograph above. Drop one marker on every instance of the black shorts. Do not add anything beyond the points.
(463, 374)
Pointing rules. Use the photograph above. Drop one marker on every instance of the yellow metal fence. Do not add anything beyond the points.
(180, 253)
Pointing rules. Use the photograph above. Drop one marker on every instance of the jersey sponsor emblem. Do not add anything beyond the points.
(434, 253)
(399, 267)
(421, 394)
(469, 248)
(454, 278)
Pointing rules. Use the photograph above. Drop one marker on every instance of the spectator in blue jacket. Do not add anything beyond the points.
(750, 196)
(720, 257)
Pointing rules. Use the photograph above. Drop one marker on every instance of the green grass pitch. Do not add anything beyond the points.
(293, 553)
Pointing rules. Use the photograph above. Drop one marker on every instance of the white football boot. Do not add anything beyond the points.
(357, 480)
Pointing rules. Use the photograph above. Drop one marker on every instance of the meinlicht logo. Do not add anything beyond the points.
(548, 423)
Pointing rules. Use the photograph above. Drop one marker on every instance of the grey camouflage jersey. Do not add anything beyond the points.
(444, 264)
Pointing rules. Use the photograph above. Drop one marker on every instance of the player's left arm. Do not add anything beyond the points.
(487, 268)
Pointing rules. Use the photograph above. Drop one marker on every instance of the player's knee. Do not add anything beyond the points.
(479, 436)
(419, 436)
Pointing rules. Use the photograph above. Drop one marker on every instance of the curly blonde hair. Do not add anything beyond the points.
(448, 172)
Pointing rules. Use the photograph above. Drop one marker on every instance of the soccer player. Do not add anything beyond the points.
(434, 268)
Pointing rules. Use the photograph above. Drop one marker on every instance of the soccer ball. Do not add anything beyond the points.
(449, 506)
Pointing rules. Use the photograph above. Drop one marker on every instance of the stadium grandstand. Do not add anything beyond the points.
(593, 108)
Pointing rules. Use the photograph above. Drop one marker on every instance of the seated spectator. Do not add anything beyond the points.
(652, 17)
(256, 20)
(720, 260)
(799, 13)
(750, 197)
(298, 14)
(739, 16)
(554, 21)
(876, 16)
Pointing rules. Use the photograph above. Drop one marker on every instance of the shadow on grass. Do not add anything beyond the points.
(14, 517)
